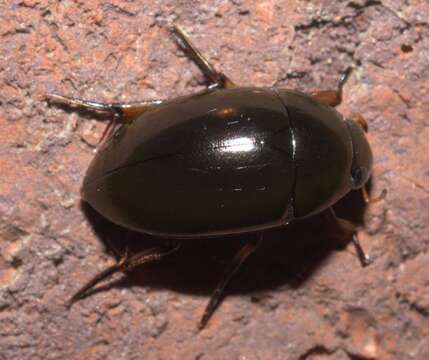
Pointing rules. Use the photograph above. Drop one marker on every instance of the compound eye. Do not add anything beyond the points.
(360, 175)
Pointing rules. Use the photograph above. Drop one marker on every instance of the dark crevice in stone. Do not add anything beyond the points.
(316, 350)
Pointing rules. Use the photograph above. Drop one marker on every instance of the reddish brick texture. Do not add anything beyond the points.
(303, 295)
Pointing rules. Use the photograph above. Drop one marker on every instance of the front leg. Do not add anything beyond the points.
(348, 229)
(333, 97)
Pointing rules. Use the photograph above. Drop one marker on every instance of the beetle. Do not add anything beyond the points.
(223, 161)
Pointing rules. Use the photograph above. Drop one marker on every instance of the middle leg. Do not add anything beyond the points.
(235, 264)
(215, 78)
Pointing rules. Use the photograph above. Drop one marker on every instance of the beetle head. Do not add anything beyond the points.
(362, 155)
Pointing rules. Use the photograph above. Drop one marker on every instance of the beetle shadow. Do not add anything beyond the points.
(287, 257)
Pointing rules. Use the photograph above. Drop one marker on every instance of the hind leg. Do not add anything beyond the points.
(121, 112)
(126, 111)
(126, 264)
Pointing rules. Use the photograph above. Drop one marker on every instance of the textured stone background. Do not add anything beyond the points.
(302, 296)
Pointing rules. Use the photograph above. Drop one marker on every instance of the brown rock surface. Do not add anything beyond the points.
(298, 297)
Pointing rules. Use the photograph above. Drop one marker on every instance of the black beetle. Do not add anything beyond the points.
(223, 161)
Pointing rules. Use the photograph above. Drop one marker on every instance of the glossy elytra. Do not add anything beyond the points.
(223, 161)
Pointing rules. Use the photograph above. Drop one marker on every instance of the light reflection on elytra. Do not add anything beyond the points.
(239, 144)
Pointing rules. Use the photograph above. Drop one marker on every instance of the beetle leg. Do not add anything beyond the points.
(328, 97)
(373, 200)
(333, 97)
(237, 261)
(126, 263)
(215, 78)
(122, 113)
(146, 256)
(361, 121)
(127, 111)
(349, 227)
